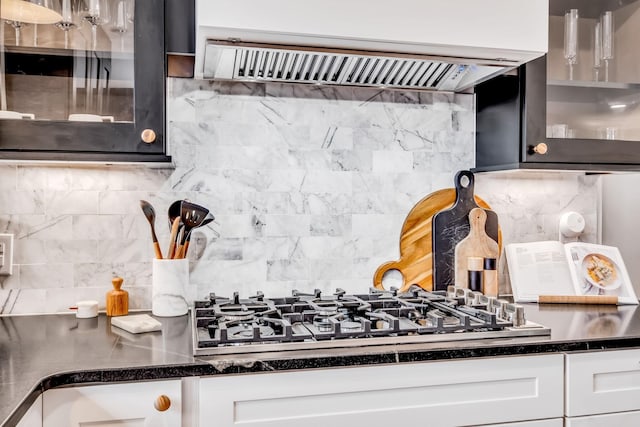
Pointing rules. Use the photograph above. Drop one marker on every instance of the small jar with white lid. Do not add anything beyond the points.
(86, 309)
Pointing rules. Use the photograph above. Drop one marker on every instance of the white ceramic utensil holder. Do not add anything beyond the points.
(169, 284)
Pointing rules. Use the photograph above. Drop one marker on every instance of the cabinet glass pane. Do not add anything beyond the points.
(67, 60)
(593, 75)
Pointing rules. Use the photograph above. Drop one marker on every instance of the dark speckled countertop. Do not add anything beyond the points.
(46, 351)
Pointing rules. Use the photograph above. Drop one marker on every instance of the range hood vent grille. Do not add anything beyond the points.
(230, 61)
(338, 69)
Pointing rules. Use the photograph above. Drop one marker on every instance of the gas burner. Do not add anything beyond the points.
(313, 320)
(348, 326)
(246, 330)
(237, 316)
(322, 323)
(324, 310)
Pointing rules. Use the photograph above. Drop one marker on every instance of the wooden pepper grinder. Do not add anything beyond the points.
(117, 299)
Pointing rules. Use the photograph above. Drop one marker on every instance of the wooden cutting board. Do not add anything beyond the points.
(476, 244)
(450, 226)
(415, 261)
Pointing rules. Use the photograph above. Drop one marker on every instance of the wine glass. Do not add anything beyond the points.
(17, 26)
(606, 22)
(571, 39)
(97, 13)
(120, 20)
(597, 50)
(47, 14)
(131, 6)
(69, 11)
(18, 13)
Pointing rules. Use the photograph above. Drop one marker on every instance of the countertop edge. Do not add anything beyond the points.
(205, 366)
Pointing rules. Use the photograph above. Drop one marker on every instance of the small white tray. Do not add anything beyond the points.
(137, 323)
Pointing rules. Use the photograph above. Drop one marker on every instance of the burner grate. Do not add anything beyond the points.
(314, 320)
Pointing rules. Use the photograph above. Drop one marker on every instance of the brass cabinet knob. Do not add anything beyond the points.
(148, 136)
(540, 148)
(162, 403)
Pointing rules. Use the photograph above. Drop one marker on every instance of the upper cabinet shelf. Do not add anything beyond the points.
(86, 83)
(575, 108)
(593, 85)
(588, 8)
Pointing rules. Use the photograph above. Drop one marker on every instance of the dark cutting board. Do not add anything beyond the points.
(451, 226)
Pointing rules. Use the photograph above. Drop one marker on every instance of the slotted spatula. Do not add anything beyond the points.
(192, 216)
(206, 221)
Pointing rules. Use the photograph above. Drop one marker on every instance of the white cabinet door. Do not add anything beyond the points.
(602, 382)
(623, 419)
(556, 422)
(459, 392)
(33, 417)
(121, 405)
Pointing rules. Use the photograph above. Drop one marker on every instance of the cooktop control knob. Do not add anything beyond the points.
(514, 313)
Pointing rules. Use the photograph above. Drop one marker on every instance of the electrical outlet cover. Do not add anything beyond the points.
(6, 260)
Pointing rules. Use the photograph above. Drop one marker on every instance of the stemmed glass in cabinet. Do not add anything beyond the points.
(606, 24)
(571, 39)
(122, 18)
(69, 10)
(97, 13)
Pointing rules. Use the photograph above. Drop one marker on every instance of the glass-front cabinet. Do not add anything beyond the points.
(578, 107)
(82, 80)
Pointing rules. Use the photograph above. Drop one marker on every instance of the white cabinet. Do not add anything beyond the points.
(458, 392)
(122, 405)
(622, 419)
(33, 417)
(602, 382)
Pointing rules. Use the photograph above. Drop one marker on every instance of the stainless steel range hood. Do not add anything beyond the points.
(447, 45)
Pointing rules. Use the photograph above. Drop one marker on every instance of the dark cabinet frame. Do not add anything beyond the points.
(511, 120)
(106, 142)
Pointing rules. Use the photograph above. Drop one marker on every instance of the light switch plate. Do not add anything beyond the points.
(6, 254)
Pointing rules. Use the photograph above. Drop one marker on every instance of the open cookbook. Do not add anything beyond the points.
(576, 268)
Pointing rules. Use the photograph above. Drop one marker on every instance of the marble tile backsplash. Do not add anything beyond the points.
(309, 186)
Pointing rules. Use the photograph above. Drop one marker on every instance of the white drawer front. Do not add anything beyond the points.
(601, 382)
(462, 392)
(623, 419)
(111, 405)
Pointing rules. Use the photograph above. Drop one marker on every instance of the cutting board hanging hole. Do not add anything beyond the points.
(392, 278)
(465, 181)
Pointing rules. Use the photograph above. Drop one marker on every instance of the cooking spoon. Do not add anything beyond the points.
(192, 216)
(174, 211)
(150, 213)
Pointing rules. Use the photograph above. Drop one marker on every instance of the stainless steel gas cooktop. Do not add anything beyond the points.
(313, 321)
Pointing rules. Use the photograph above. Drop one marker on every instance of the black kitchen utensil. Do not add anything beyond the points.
(450, 226)
(174, 212)
(206, 221)
(175, 225)
(192, 216)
